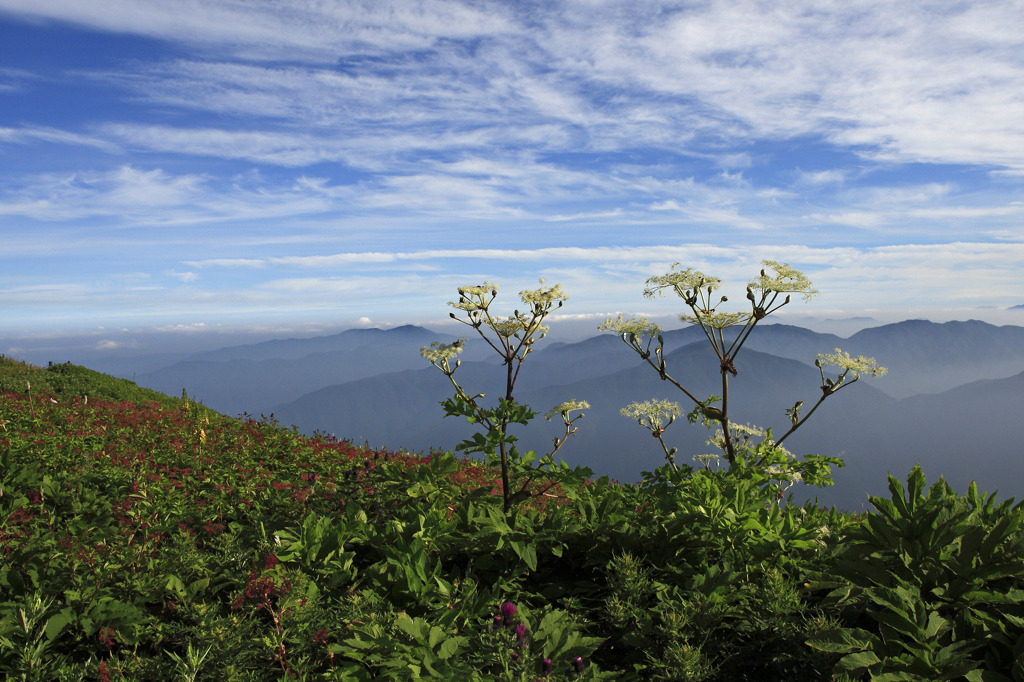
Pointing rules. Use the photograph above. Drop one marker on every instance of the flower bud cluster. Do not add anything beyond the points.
(506, 620)
(654, 415)
(438, 351)
(565, 408)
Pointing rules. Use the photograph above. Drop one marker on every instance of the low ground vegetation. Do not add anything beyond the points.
(159, 540)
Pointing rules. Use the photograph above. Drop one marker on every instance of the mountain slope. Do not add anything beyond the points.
(928, 357)
(256, 377)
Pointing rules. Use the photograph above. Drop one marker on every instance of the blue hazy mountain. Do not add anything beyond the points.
(254, 377)
(950, 398)
(402, 408)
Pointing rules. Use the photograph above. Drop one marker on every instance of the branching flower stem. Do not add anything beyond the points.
(852, 369)
(697, 291)
(513, 350)
(512, 338)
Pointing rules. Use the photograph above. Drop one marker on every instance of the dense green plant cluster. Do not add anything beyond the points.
(934, 583)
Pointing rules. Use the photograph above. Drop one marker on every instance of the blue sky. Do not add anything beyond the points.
(289, 166)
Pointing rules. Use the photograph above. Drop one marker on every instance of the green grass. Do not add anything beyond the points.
(67, 380)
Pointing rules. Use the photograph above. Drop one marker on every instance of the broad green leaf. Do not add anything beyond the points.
(449, 647)
(999, 532)
(436, 635)
(936, 624)
(842, 640)
(915, 486)
(56, 623)
(977, 675)
(197, 586)
(897, 493)
(415, 628)
(175, 586)
(857, 661)
(899, 622)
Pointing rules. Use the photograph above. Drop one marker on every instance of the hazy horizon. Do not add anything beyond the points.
(102, 344)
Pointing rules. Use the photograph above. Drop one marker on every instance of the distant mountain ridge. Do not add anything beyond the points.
(372, 385)
(298, 348)
(254, 377)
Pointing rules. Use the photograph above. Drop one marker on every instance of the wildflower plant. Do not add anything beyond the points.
(523, 475)
(743, 446)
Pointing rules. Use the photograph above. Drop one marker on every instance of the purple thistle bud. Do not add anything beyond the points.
(546, 666)
(521, 631)
(508, 612)
(577, 664)
(496, 623)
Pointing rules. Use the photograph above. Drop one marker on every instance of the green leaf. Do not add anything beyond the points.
(857, 661)
(417, 629)
(56, 624)
(197, 586)
(986, 676)
(842, 640)
(936, 624)
(527, 551)
(899, 622)
(175, 586)
(450, 646)
(999, 532)
(915, 485)
(436, 635)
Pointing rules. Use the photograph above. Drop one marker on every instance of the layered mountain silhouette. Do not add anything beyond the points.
(953, 398)
(256, 377)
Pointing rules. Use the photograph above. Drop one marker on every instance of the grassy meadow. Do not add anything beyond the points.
(145, 537)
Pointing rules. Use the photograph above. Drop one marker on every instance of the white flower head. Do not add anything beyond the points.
(437, 351)
(716, 320)
(857, 365)
(473, 298)
(511, 326)
(652, 414)
(544, 296)
(707, 460)
(680, 281)
(636, 326)
(786, 279)
(746, 430)
(565, 408)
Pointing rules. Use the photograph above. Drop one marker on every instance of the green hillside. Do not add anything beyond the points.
(66, 380)
(147, 538)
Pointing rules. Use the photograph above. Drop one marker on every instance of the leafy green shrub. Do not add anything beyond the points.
(932, 584)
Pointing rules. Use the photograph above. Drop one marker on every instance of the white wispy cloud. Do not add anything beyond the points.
(28, 134)
(903, 83)
(254, 154)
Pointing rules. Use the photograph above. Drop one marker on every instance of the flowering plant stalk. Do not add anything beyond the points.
(776, 280)
(512, 338)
